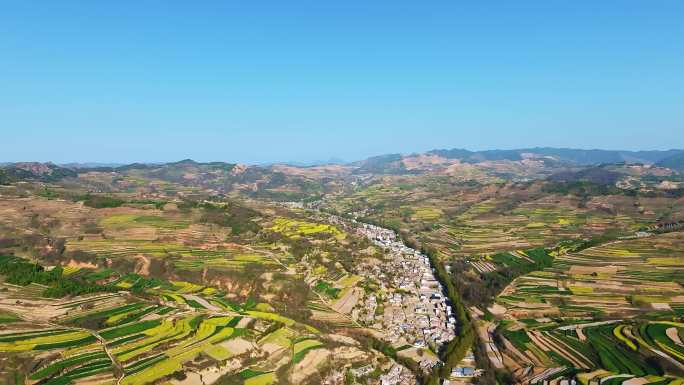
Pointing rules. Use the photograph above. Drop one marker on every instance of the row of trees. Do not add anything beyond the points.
(482, 288)
(20, 272)
(385, 348)
(457, 348)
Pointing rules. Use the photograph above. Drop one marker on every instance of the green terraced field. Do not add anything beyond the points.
(623, 280)
(616, 278)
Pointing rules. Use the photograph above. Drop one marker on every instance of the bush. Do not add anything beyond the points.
(101, 201)
(238, 218)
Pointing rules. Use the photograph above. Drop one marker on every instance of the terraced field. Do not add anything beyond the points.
(622, 278)
(529, 225)
(554, 318)
(175, 297)
(174, 327)
(465, 222)
(296, 228)
(184, 257)
(615, 351)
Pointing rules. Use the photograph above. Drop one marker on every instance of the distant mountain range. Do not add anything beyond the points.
(568, 155)
(76, 165)
(675, 162)
(522, 163)
(44, 172)
(539, 157)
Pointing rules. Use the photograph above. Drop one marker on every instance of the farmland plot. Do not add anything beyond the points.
(629, 286)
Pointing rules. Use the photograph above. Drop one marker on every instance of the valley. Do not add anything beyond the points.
(405, 270)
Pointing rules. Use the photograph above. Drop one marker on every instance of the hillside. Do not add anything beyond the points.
(675, 162)
(34, 171)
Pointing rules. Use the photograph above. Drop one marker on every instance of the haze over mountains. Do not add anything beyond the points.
(392, 163)
(566, 155)
(578, 156)
(628, 169)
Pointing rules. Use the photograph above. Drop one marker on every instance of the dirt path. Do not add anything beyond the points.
(273, 257)
(673, 334)
(329, 305)
(292, 271)
(102, 341)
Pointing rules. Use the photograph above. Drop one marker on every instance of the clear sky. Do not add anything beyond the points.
(262, 81)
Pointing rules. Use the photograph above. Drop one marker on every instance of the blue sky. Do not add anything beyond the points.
(264, 81)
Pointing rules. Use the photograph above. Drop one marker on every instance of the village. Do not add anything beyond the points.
(415, 310)
(408, 308)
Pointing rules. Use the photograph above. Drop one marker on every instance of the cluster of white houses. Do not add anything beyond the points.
(416, 310)
(397, 375)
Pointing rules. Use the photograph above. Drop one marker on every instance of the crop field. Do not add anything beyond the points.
(7, 317)
(123, 221)
(466, 223)
(619, 350)
(225, 262)
(295, 228)
(18, 342)
(476, 232)
(136, 329)
(184, 257)
(622, 278)
(261, 379)
(322, 311)
(555, 317)
(146, 340)
(427, 213)
(302, 347)
(130, 248)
